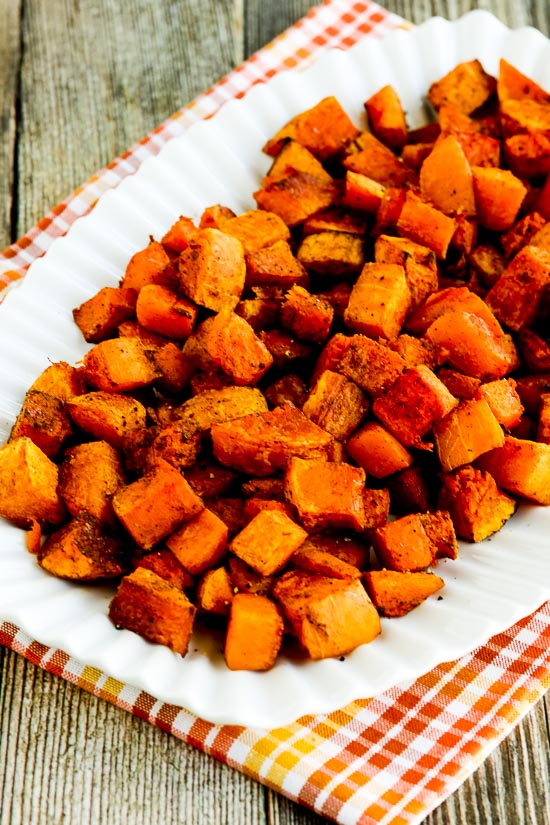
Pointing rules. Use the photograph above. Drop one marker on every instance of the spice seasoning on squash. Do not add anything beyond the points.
(380, 319)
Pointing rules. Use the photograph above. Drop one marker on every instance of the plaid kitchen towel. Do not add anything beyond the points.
(390, 759)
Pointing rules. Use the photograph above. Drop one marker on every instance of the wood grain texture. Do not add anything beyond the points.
(80, 81)
(10, 56)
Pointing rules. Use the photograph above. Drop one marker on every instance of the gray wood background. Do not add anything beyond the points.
(80, 81)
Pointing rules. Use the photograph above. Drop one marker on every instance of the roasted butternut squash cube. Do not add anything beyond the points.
(60, 380)
(159, 309)
(498, 197)
(476, 505)
(107, 416)
(324, 129)
(43, 419)
(177, 237)
(89, 476)
(362, 193)
(256, 229)
(212, 270)
(404, 544)
(379, 301)
(268, 541)
(297, 185)
(418, 261)
(336, 404)
(370, 157)
(339, 254)
(415, 351)
(411, 407)
(371, 365)
(215, 216)
(329, 617)
(465, 433)
(165, 564)
(148, 266)
(528, 155)
(514, 85)
(449, 299)
(29, 485)
(336, 219)
(377, 451)
(153, 608)
(315, 560)
(440, 530)
(524, 116)
(233, 346)
(521, 467)
(215, 592)
(306, 315)
(84, 550)
(98, 317)
(504, 401)
(175, 443)
(387, 118)
(396, 594)
(446, 178)
(119, 365)
(154, 505)
(461, 386)
(423, 223)
(200, 543)
(172, 368)
(209, 407)
(326, 494)
(254, 633)
(467, 86)
(273, 265)
(351, 549)
(517, 298)
(262, 444)
(472, 345)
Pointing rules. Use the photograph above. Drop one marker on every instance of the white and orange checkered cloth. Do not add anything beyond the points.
(388, 760)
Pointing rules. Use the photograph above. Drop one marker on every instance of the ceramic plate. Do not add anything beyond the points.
(490, 587)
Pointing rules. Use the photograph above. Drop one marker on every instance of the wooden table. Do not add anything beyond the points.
(79, 83)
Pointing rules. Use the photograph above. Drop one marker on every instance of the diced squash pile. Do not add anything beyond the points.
(287, 417)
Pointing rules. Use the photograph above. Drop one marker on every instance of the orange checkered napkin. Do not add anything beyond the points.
(387, 760)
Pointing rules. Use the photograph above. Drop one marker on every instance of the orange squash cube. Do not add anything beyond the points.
(254, 633)
(154, 505)
(329, 617)
(268, 541)
(379, 301)
(326, 494)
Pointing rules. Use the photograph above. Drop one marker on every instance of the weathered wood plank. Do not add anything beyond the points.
(10, 55)
(97, 76)
(68, 757)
